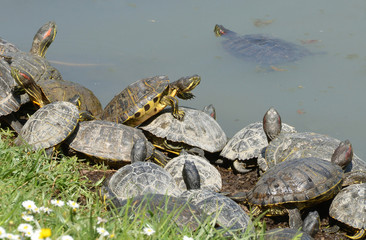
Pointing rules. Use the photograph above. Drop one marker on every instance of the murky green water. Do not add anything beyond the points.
(112, 43)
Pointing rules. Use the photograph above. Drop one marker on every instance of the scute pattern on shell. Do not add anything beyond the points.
(349, 206)
(285, 234)
(306, 144)
(197, 129)
(50, 125)
(140, 178)
(249, 142)
(7, 47)
(8, 101)
(106, 141)
(134, 97)
(210, 177)
(230, 214)
(297, 180)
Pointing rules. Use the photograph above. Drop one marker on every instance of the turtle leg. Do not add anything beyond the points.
(138, 151)
(13, 122)
(311, 223)
(185, 95)
(359, 235)
(173, 103)
(294, 220)
(240, 167)
(159, 158)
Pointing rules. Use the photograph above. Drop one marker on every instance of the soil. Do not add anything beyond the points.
(233, 183)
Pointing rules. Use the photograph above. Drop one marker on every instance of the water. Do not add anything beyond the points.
(112, 43)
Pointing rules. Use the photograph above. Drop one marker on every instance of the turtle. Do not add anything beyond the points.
(34, 62)
(349, 208)
(44, 91)
(50, 125)
(248, 144)
(139, 178)
(210, 110)
(209, 175)
(107, 142)
(146, 97)
(196, 130)
(309, 228)
(286, 146)
(261, 49)
(227, 213)
(293, 185)
(7, 47)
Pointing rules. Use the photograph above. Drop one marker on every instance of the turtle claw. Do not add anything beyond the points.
(179, 115)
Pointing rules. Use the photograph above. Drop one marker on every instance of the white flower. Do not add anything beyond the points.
(46, 210)
(101, 220)
(187, 238)
(58, 203)
(149, 231)
(25, 227)
(66, 237)
(2, 232)
(102, 232)
(73, 204)
(41, 234)
(29, 205)
(27, 218)
(12, 236)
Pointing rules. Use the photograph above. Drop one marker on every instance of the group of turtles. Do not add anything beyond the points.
(165, 153)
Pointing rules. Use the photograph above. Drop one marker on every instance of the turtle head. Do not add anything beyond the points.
(191, 175)
(272, 124)
(43, 39)
(219, 31)
(343, 154)
(185, 85)
(210, 110)
(26, 81)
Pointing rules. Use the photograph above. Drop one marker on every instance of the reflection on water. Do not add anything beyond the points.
(105, 45)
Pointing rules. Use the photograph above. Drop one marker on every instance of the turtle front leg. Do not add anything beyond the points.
(173, 103)
(294, 218)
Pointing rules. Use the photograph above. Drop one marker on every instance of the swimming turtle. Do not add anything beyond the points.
(34, 62)
(209, 175)
(44, 91)
(349, 208)
(286, 146)
(248, 144)
(197, 129)
(293, 185)
(139, 178)
(227, 213)
(107, 142)
(146, 97)
(309, 228)
(50, 125)
(261, 49)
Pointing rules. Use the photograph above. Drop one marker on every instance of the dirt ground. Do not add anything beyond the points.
(233, 183)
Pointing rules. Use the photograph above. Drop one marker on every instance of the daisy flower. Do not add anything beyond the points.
(66, 237)
(148, 230)
(12, 236)
(102, 232)
(27, 218)
(58, 203)
(2, 232)
(25, 227)
(101, 220)
(187, 238)
(73, 204)
(29, 205)
(45, 210)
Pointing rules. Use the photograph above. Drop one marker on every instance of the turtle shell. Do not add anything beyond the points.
(140, 178)
(303, 145)
(227, 213)
(107, 142)
(285, 234)
(7, 47)
(50, 125)
(249, 142)
(9, 102)
(349, 206)
(298, 183)
(210, 177)
(197, 129)
(138, 98)
(57, 90)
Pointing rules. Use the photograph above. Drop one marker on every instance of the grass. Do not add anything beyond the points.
(33, 176)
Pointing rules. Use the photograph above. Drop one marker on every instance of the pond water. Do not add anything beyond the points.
(107, 44)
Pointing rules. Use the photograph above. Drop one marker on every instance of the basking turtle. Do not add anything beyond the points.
(349, 208)
(261, 49)
(309, 228)
(107, 142)
(286, 146)
(228, 214)
(144, 98)
(140, 178)
(248, 144)
(7, 47)
(209, 175)
(44, 91)
(197, 130)
(299, 183)
(50, 125)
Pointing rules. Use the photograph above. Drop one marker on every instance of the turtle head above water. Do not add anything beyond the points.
(43, 38)
(220, 30)
(343, 154)
(272, 124)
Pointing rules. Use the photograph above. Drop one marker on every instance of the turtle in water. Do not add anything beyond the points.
(293, 185)
(349, 208)
(261, 49)
(146, 97)
(249, 143)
